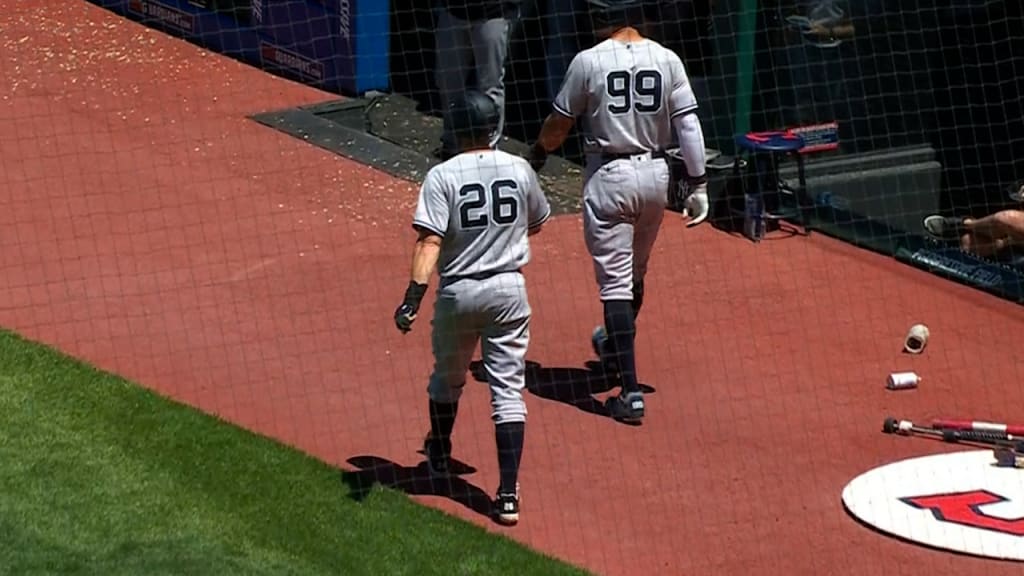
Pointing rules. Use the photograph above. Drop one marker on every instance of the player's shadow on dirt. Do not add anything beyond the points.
(374, 470)
(576, 387)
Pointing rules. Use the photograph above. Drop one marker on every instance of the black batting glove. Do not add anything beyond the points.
(405, 315)
(538, 157)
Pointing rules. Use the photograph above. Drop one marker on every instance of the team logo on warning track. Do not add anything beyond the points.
(960, 502)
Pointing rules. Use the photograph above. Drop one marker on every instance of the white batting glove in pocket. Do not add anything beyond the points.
(696, 205)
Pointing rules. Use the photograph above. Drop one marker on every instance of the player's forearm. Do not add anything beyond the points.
(424, 259)
(554, 131)
(691, 144)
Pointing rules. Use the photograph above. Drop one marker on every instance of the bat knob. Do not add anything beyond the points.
(1006, 457)
(890, 426)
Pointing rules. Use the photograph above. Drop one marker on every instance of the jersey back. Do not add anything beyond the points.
(626, 95)
(482, 204)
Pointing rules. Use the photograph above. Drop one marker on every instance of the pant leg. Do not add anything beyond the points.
(504, 351)
(456, 331)
(490, 40)
(562, 41)
(653, 179)
(454, 58)
(609, 214)
(505, 340)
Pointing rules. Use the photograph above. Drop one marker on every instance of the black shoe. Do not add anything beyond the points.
(944, 227)
(627, 408)
(438, 454)
(506, 508)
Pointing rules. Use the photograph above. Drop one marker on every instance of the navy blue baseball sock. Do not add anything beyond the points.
(620, 322)
(442, 421)
(509, 437)
(638, 297)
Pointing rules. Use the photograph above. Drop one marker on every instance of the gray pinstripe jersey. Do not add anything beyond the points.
(626, 95)
(482, 204)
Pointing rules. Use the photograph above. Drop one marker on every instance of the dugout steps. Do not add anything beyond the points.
(875, 201)
(387, 132)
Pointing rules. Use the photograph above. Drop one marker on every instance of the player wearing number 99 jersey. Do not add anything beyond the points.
(473, 217)
(630, 93)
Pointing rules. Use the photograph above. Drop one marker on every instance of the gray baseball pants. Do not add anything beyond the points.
(461, 47)
(493, 312)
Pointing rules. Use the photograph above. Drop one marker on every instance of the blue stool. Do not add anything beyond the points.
(768, 198)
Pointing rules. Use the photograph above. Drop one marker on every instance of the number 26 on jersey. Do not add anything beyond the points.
(480, 206)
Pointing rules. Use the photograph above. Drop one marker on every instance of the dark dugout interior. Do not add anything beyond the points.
(949, 73)
(412, 58)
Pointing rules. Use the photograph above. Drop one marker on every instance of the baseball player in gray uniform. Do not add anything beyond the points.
(631, 93)
(473, 217)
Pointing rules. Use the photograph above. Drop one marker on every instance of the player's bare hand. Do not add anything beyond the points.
(696, 205)
(405, 315)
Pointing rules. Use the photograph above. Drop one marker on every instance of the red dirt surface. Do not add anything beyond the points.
(151, 229)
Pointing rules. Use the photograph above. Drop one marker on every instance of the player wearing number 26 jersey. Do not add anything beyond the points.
(473, 217)
(630, 94)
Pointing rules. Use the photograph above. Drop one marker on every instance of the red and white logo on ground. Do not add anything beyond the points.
(960, 502)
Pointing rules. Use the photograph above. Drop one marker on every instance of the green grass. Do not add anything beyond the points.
(99, 476)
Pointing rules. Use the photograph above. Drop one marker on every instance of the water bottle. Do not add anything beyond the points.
(753, 218)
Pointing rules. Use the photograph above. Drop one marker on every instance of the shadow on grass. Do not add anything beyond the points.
(415, 481)
(577, 387)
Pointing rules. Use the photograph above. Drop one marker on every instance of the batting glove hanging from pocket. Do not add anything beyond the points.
(696, 204)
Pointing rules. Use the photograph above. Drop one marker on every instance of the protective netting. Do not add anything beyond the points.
(156, 226)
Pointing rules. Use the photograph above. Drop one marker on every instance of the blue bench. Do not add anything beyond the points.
(767, 197)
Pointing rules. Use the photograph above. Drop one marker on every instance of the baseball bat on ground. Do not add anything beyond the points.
(908, 428)
(978, 426)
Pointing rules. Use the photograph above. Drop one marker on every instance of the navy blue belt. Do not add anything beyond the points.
(479, 275)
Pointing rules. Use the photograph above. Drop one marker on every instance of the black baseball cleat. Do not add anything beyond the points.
(438, 453)
(628, 408)
(944, 227)
(506, 508)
